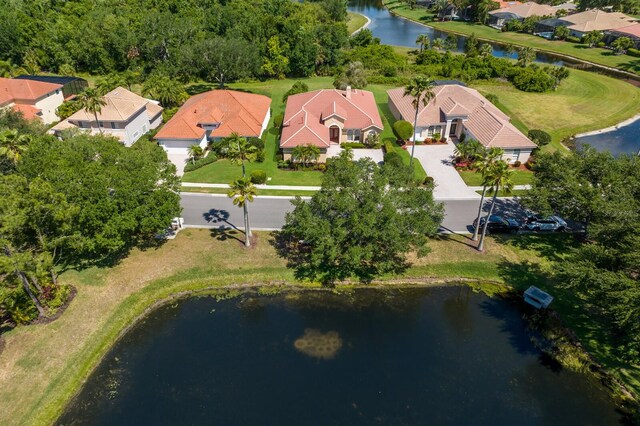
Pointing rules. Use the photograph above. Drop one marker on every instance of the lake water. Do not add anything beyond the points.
(396, 31)
(624, 140)
(439, 356)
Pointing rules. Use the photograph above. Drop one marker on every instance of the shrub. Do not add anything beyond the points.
(462, 137)
(428, 181)
(277, 120)
(403, 129)
(257, 142)
(533, 80)
(389, 70)
(573, 39)
(298, 87)
(600, 44)
(517, 163)
(393, 159)
(539, 137)
(633, 52)
(259, 177)
(321, 167)
(389, 146)
(201, 162)
(284, 164)
(492, 98)
(353, 145)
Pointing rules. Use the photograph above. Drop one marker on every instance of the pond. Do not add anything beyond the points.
(623, 140)
(437, 356)
(396, 31)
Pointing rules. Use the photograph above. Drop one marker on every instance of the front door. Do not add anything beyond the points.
(453, 128)
(334, 134)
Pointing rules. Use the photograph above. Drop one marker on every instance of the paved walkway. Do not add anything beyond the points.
(224, 185)
(436, 161)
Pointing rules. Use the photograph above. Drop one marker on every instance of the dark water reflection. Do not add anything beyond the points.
(625, 140)
(443, 356)
(397, 31)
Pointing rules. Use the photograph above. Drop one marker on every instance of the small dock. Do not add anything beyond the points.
(537, 298)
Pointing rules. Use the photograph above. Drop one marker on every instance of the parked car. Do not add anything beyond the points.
(551, 223)
(499, 224)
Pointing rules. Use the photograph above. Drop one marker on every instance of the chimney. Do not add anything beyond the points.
(348, 93)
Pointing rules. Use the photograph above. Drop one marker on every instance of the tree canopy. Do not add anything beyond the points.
(361, 224)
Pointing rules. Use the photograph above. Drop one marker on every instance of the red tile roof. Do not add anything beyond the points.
(630, 30)
(28, 112)
(29, 91)
(305, 114)
(239, 112)
(487, 123)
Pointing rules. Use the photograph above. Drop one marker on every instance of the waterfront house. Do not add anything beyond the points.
(328, 117)
(457, 109)
(581, 23)
(632, 31)
(210, 116)
(499, 17)
(125, 115)
(34, 99)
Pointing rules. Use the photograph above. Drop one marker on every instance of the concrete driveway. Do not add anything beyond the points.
(436, 160)
(179, 159)
(374, 154)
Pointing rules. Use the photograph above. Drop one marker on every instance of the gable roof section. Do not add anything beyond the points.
(233, 111)
(596, 20)
(629, 31)
(24, 91)
(305, 113)
(487, 123)
(527, 9)
(121, 105)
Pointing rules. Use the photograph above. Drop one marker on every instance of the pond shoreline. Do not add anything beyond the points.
(622, 75)
(613, 386)
(624, 123)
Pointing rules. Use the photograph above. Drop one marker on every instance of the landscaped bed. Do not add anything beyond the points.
(520, 177)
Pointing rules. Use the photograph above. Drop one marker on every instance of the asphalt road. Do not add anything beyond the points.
(267, 213)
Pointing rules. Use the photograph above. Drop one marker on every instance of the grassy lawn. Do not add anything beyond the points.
(520, 177)
(355, 22)
(585, 101)
(41, 367)
(223, 171)
(579, 51)
(280, 192)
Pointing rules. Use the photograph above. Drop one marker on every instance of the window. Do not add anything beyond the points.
(101, 124)
(113, 125)
(83, 124)
(353, 135)
(515, 155)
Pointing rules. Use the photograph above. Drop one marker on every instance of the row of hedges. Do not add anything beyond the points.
(191, 166)
(353, 145)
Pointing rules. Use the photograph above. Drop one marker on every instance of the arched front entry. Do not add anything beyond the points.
(334, 134)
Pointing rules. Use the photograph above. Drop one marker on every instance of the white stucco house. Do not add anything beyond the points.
(34, 99)
(126, 116)
(211, 116)
(457, 109)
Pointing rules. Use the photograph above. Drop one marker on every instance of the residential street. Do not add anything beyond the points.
(217, 210)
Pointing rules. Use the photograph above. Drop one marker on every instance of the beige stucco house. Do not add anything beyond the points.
(126, 116)
(34, 99)
(457, 109)
(328, 117)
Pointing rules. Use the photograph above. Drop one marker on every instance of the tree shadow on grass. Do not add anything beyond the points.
(551, 247)
(466, 241)
(225, 234)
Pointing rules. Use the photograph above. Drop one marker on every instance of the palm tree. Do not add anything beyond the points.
(482, 10)
(526, 55)
(422, 41)
(420, 88)
(168, 92)
(498, 178)
(195, 152)
(242, 191)
(485, 50)
(438, 43)
(91, 101)
(13, 145)
(484, 165)
(239, 150)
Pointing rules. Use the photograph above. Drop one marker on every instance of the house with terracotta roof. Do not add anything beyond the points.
(457, 109)
(499, 17)
(328, 117)
(211, 116)
(126, 116)
(631, 31)
(581, 23)
(34, 99)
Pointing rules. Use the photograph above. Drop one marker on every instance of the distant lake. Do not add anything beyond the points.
(438, 356)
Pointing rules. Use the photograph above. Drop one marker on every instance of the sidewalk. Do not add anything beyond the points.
(516, 187)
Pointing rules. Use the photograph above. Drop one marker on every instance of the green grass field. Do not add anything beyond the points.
(471, 178)
(578, 51)
(355, 22)
(585, 101)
